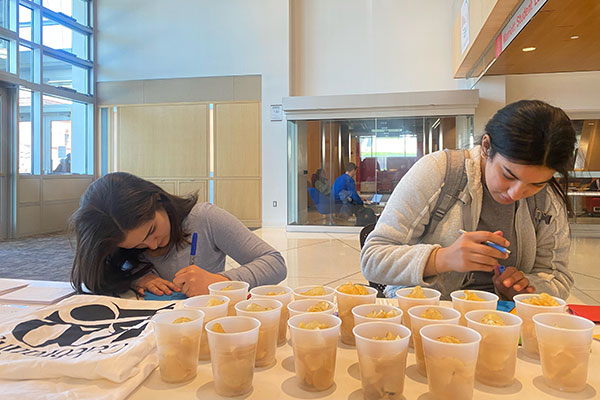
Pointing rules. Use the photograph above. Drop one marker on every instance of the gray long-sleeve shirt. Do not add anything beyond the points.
(220, 234)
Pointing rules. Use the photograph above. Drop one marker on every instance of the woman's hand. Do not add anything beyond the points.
(511, 282)
(155, 285)
(469, 253)
(194, 280)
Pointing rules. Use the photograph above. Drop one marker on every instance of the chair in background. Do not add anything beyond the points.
(364, 232)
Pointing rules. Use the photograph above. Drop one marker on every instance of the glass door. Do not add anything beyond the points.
(4, 149)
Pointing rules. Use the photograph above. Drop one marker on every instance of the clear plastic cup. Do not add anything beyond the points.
(178, 344)
(345, 304)
(450, 366)
(261, 292)
(432, 297)
(490, 302)
(269, 326)
(237, 293)
(232, 354)
(360, 313)
(498, 348)
(449, 316)
(210, 313)
(329, 293)
(301, 306)
(526, 312)
(315, 350)
(564, 342)
(382, 362)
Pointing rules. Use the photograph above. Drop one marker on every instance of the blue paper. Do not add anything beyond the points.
(165, 297)
(506, 306)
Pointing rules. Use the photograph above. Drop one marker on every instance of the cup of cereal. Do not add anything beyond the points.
(382, 348)
(415, 296)
(421, 316)
(268, 312)
(498, 347)
(314, 342)
(311, 306)
(178, 335)
(527, 306)
(349, 296)
(451, 356)
(314, 292)
(235, 290)
(232, 342)
(469, 300)
(213, 306)
(282, 294)
(564, 341)
(376, 312)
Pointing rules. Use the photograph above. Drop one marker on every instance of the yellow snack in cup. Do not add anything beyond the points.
(313, 325)
(492, 319)
(257, 307)
(543, 299)
(416, 293)
(214, 302)
(472, 296)
(432, 313)
(388, 336)
(449, 339)
(182, 320)
(275, 294)
(316, 291)
(350, 288)
(381, 314)
(320, 306)
(218, 328)
(228, 287)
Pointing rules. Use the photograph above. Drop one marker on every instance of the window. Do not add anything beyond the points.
(25, 23)
(26, 63)
(4, 61)
(76, 9)
(26, 144)
(60, 37)
(4, 13)
(63, 74)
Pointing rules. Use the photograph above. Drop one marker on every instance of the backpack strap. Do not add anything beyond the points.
(535, 204)
(455, 181)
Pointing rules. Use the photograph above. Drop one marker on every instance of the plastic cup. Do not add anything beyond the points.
(232, 354)
(260, 292)
(526, 312)
(450, 366)
(329, 293)
(237, 293)
(490, 302)
(564, 342)
(382, 362)
(315, 350)
(432, 297)
(269, 326)
(360, 313)
(178, 344)
(301, 306)
(498, 348)
(449, 315)
(345, 304)
(210, 313)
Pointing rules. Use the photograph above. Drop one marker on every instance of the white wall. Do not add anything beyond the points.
(149, 39)
(366, 46)
(492, 97)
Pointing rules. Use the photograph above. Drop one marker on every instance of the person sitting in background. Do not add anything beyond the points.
(321, 183)
(344, 191)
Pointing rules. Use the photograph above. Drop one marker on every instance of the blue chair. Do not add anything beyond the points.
(323, 203)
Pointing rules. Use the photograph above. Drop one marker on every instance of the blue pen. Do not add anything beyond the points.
(193, 249)
(491, 244)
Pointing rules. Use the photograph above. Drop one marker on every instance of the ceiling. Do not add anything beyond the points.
(550, 32)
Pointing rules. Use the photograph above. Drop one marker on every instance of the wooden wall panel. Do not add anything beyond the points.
(163, 140)
(64, 188)
(187, 187)
(29, 190)
(29, 220)
(241, 197)
(237, 140)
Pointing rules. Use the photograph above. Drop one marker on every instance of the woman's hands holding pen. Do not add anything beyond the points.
(194, 280)
(155, 285)
(511, 282)
(470, 253)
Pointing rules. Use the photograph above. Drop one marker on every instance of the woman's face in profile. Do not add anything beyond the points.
(508, 181)
(151, 235)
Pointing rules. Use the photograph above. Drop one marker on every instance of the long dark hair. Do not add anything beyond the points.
(532, 132)
(110, 207)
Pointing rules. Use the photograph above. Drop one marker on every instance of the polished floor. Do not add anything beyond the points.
(333, 258)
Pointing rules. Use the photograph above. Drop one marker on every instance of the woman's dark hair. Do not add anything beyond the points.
(110, 207)
(532, 132)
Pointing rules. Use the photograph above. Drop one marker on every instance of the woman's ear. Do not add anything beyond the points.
(485, 146)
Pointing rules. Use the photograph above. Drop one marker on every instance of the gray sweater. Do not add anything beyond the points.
(394, 255)
(220, 234)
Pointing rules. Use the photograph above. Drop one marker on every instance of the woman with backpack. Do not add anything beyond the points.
(510, 197)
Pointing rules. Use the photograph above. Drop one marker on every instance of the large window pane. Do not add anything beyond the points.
(60, 37)
(63, 74)
(26, 63)
(25, 133)
(67, 136)
(4, 62)
(76, 9)
(4, 13)
(25, 23)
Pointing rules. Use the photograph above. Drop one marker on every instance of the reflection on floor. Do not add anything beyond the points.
(333, 258)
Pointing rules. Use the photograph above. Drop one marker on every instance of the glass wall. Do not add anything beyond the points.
(382, 149)
(584, 183)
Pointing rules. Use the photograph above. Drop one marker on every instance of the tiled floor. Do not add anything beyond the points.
(333, 258)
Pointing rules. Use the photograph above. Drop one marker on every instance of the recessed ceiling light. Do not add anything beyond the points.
(575, 37)
(528, 49)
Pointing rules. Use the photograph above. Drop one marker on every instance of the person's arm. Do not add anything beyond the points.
(352, 189)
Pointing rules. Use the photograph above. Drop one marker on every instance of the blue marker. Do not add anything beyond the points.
(491, 244)
(193, 249)
(501, 269)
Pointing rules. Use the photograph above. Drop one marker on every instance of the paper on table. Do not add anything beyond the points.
(8, 285)
(37, 295)
(582, 310)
